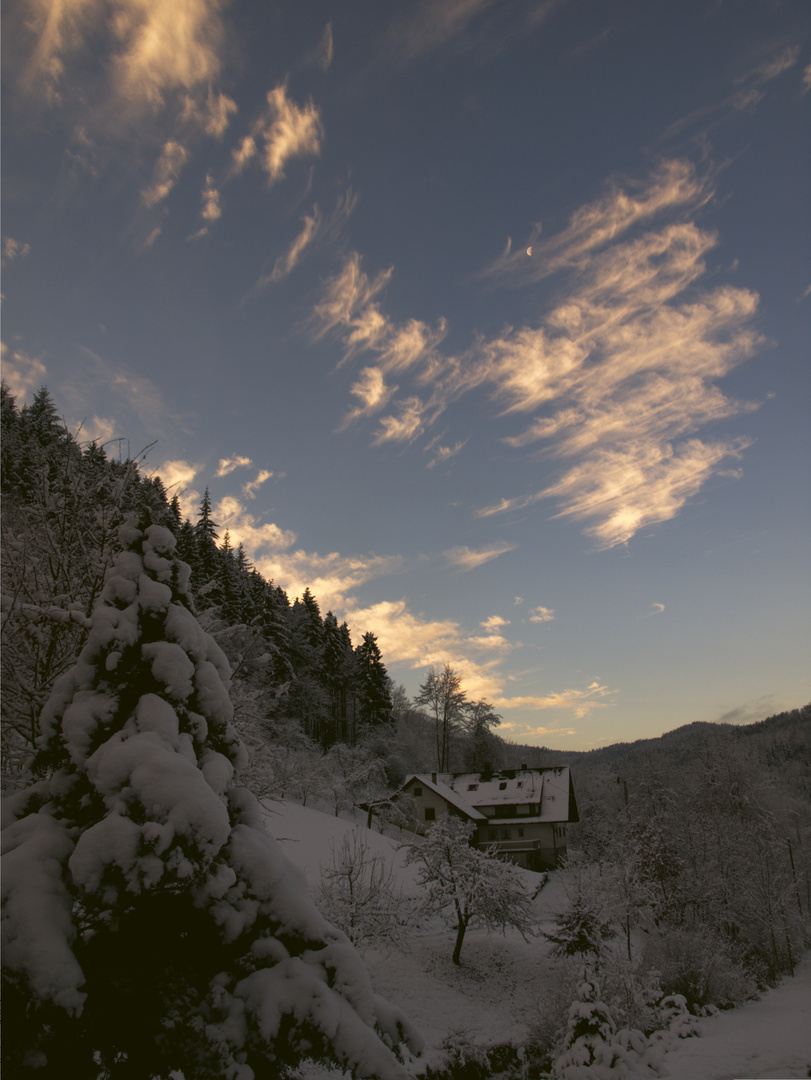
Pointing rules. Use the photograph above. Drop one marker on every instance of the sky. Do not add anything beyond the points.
(487, 320)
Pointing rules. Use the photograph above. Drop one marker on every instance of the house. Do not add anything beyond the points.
(521, 813)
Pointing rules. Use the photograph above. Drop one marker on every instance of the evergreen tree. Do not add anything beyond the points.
(151, 923)
(374, 693)
(338, 668)
(481, 746)
(206, 564)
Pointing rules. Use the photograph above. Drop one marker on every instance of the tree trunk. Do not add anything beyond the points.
(461, 927)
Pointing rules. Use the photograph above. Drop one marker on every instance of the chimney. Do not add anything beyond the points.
(433, 777)
(523, 768)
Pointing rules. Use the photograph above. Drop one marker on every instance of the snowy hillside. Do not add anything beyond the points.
(493, 996)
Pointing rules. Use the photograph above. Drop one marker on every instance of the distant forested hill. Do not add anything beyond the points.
(780, 738)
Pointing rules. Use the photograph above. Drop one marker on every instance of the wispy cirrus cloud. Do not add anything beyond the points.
(372, 393)
(441, 454)
(749, 89)
(317, 230)
(165, 174)
(465, 558)
(286, 131)
(674, 185)
(211, 114)
(433, 24)
(152, 49)
(616, 379)
(322, 55)
(578, 701)
(350, 305)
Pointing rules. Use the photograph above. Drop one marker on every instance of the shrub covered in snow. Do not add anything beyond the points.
(150, 923)
(593, 1048)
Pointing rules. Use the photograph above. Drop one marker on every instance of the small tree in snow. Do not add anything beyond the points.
(468, 886)
(593, 1049)
(584, 924)
(150, 922)
(359, 893)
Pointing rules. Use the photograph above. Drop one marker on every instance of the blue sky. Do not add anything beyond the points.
(488, 321)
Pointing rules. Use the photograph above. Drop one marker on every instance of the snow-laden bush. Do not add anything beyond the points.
(697, 963)
(593, 1048)
(150, 923)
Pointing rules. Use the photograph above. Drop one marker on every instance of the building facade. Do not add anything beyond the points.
(522, 814)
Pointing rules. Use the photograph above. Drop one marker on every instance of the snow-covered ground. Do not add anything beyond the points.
(492, 996)
(768, 1039)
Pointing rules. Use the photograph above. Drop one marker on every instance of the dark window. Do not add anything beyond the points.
(417, 792)
(493, 834)
(472, 787)
(501, 787)
(430, 813)
(505, 834)
(520, 832)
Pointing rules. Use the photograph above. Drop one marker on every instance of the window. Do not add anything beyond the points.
(520, 783)
(472, 787)
(524, 808)
(493, 834)
(417, 792)
(506, 834)
(430, 813)
(520, 832)
(501, 787)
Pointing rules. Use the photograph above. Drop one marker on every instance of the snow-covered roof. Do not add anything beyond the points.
(547, 788)
(448, 794)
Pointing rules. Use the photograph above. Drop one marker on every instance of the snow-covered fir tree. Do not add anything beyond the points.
(150, 922)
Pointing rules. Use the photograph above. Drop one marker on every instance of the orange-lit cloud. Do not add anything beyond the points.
(22, 373)
(580, 702)
(14, 249)
(674, 185)
(617, 378)
(289, 131)
(465, 558)
(154, 48)
(250, 489)
(541, 614)
(227, 465)
(165, 173)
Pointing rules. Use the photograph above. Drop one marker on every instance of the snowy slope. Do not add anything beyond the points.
(493, 995)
